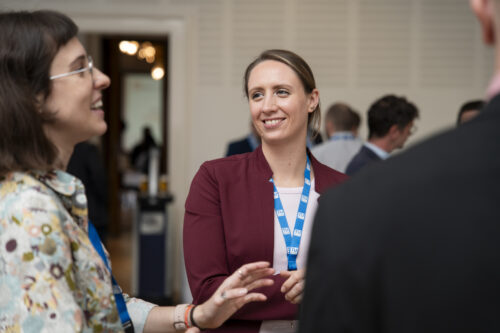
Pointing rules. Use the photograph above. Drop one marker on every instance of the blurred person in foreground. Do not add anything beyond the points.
(55, 275)
(413, 244)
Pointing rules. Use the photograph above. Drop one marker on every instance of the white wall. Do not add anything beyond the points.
(427, 50)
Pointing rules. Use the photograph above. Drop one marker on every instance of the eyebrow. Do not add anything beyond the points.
(276, 86)
(79, 58)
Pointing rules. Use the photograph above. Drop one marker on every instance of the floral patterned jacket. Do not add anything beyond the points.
(51, 277)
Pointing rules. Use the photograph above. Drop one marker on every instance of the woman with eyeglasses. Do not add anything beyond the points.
(55, 275)
(261, 205)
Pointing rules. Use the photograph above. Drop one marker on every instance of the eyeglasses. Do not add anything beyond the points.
(89, 68)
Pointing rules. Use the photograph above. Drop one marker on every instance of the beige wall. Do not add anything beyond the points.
(427, 50)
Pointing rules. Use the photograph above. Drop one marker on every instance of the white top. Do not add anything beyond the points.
(290, 198)
(338, 151)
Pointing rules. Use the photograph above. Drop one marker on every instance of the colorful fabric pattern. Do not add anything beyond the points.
(51, 278)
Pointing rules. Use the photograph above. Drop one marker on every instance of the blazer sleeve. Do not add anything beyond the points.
(206, 255)
(204, 244)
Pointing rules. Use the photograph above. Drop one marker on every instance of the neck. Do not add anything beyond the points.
(382, 143)
(287, 163)
(63, 159)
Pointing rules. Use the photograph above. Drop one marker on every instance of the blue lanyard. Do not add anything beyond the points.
(346, 136)
(117, 291)
(292, 241)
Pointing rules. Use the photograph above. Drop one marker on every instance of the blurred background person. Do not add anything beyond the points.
(87, 165)
(390, 124)
(469, 110)
(141, 152)
(341, 127)
(245, 145)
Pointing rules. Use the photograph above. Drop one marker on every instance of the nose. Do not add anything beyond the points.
(269, 103)
(101, 80)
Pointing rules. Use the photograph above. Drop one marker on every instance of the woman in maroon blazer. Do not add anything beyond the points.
(260, 205)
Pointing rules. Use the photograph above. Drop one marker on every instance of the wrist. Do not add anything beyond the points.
(198, 317)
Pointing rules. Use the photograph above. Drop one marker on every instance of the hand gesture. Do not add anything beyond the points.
(294, 285)
(232, 294)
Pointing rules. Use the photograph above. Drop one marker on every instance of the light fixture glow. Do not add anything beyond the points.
(128, 47)
(157, 73)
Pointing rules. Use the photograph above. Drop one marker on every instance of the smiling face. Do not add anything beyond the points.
(278, 103)
(75, 100)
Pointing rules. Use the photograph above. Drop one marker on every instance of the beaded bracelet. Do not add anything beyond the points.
(180, 317)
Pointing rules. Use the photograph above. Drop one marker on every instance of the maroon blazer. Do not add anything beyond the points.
(229, 222)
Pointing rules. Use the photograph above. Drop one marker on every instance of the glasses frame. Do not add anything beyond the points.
(89, 68)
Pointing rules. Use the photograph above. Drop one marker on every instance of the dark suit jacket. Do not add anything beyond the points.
(412, 244)
(361, 159)
(229, 222)
(239, 147)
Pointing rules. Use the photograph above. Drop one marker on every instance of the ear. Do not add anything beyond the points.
(354, 130)
(484, 12)
(329, 127)
(313, 100)
(394, 132)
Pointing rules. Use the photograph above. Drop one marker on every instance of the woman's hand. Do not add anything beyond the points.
(233, 293)
(293, 286)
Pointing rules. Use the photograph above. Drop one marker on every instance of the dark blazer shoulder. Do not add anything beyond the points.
(364, 156)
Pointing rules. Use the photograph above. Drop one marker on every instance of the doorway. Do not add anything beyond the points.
(136, 100)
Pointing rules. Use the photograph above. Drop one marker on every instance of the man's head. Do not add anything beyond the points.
(468, 111)
(390, 121)
(341, 117)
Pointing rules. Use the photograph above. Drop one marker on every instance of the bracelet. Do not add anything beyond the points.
(186, 315)
(180, 324)
(191, 319)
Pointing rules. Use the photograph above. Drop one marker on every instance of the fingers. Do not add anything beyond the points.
(229, 294)
(259, 283)
(295, 294)
(293, 287)
(252, 270)
(293, 278)
(247, 274)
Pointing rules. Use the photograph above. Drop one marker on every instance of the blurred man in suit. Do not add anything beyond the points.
(390, 123)
(413, 244)
(244, 145)
(341, 127)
